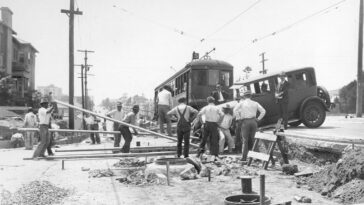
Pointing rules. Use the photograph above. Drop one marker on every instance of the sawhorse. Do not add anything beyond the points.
(273, 140)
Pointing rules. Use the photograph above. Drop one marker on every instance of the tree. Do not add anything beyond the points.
(107, 104)
(6, 84)
(347, 95)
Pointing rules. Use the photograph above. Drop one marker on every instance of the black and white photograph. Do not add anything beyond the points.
(185, 102)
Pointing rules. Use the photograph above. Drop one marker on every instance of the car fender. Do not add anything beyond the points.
(310, 99)
(326, 96)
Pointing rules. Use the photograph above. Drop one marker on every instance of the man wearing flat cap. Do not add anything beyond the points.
(247, 111)
(213, 116)
(281, 96)
(130, 118)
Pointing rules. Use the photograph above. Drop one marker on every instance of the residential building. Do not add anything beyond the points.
(17, 57)
(45, 90)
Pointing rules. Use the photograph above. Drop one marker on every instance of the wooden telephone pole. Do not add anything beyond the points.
(263, 71)
(87, 68)
(70, 13)
(359, 85)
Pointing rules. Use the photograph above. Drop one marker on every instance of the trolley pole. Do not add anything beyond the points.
(71, 13)
(359, 85)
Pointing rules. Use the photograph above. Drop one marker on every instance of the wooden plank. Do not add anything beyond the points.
(266, 136)
(69, 131)
(258, 155)
(134, 149)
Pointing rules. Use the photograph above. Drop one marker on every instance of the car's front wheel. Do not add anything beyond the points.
(314, 114)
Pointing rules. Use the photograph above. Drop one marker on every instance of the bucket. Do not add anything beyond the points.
(250, 199)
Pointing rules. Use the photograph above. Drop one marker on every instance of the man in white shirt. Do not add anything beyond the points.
(117, 115)
(44, 115)
(30, 121)
(164, 100)
(184, 114)
(130, 118)
(212, 117)
(246, 111)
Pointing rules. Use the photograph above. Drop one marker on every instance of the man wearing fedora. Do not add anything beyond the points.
(44, 115)
(247, 111)
(224, 130)
(219, 95)
(281, 96)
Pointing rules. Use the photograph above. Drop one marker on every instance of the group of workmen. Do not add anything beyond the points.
(217, 122)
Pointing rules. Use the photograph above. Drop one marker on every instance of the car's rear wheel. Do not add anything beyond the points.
(295, 124)
(313, 114)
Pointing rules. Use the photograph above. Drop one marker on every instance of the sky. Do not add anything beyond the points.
(140, 43)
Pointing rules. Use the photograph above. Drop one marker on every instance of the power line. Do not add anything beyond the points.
(271, 34)
(230, 21)
(165, 26)
(322, 11)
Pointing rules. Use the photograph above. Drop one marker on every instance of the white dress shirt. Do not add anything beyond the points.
(164, 98)
(44, 117)
(212, 113)
(248, 109)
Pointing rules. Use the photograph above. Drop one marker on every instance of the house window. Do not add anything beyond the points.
(22, 58)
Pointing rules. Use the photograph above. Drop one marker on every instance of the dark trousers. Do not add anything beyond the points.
(248, 129)
(185, 136)
(117, 137)
(238, 142)
(51, 143)
(163, 117)
(283, 113)
(127, 138)
(44, 141)
(212, 135)
(94, 136)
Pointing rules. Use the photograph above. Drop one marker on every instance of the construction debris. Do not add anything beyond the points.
(97, 173)
(303, 199)
(39, 193)
(189, 173)
(130, 162)
(138, 178)
(343, 180)
(289, 169)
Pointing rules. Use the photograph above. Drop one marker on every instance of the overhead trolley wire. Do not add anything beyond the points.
(230, 21)
(285, 28)
(171, 28)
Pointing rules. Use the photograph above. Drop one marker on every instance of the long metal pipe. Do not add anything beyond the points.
(106, 155)
(68, 130)
(356, 141)
(121, 122)
(118, 149)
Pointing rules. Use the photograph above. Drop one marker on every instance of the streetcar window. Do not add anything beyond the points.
(213, 77)
(225, 78)
(201, 77)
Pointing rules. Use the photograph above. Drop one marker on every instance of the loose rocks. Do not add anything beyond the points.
(40, 193)
(289, 169)
(97, 173)
(189, 173)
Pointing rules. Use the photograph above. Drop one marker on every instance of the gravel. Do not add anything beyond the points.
(39, 193)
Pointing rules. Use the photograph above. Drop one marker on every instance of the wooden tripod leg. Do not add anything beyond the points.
(255, 146)
(283, 152)
(270, 153)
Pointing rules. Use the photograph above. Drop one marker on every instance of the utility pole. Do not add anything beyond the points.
(70, 13)
(87, 68)
(263, 71)
(359, 85)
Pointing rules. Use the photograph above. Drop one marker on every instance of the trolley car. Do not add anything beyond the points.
(197, 80)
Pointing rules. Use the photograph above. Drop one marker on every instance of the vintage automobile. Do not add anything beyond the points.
(308, 102)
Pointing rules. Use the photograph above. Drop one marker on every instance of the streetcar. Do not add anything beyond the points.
(197, 80)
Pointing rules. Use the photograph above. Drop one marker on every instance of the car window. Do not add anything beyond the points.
(301, 80)
(264, 86)
(224, 78)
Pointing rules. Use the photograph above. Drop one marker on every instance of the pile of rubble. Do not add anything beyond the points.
(343, 181)
(40, 193)
(130, 162)
(138, 178)
(97, 173)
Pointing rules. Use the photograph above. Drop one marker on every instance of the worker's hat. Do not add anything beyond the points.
(282, 73)
(136, 107)
(226, 106)
(119, 103)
